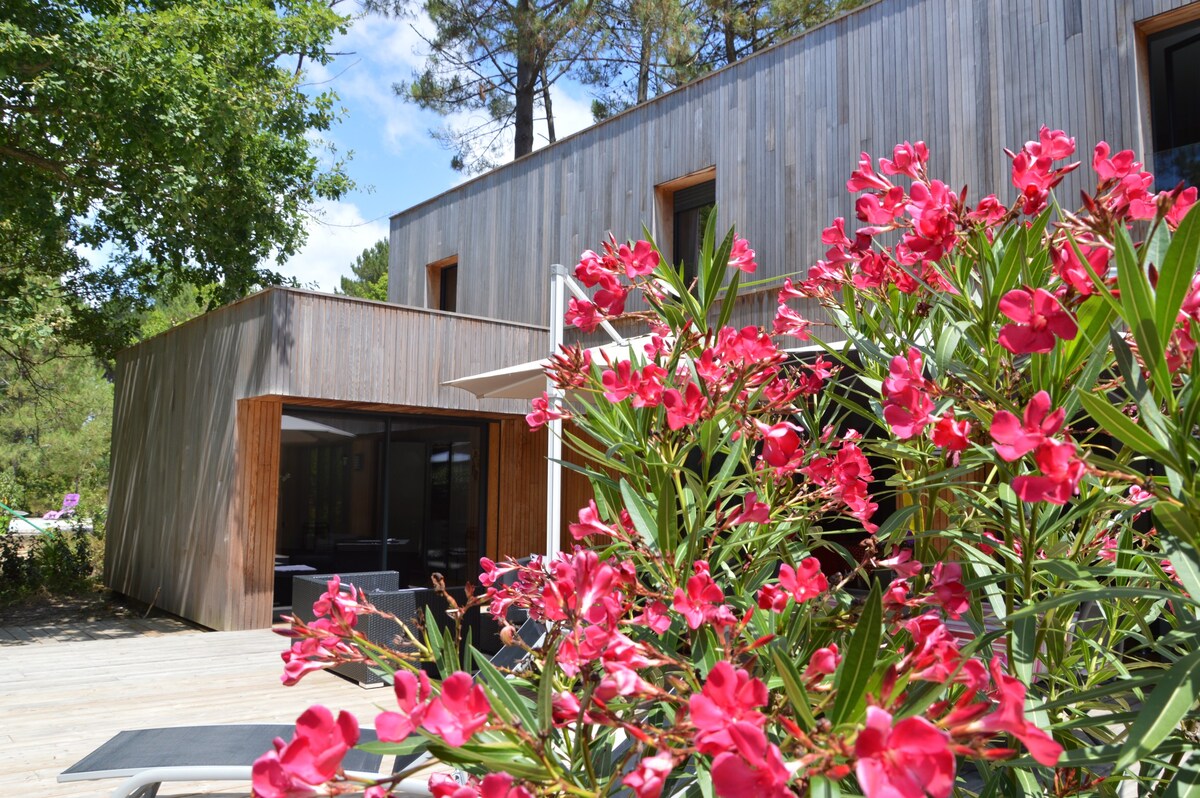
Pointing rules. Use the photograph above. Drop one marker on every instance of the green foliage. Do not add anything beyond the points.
(498, 59)
(370, 270)
(60, 563)
(173, 138)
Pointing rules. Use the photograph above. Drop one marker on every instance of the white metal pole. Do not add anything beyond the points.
(558, 280)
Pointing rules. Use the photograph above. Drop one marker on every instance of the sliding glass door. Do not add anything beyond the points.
(367, 492)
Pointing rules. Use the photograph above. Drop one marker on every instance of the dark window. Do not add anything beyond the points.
(1174, 57)
(442, 284)
(366, 492)
(448, 288)
(690, 208)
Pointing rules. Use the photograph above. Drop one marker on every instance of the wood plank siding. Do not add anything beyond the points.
(195, 455)
(783, 130)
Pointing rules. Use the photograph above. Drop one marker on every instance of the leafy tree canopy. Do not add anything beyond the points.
(171, 137)
(370, 269)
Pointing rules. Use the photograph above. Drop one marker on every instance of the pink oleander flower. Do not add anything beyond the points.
(1076, 273)
(751, 768)
(648, 390)
(911, 759)
(1013, 440)
(655, 617)
(781, 445)
(638, 261)
(412, 698)
(729, 696)
(340, 605)
(619, 381)
(988, 212)
(1182, 204)
(1040, 320)
(683, 409)
(948, 590)
(951, 435)
(493, 785)
(824, 662)
(650, 776)
(741, 256)
(907, 159)
(753, 511)
(1054, 144)
(864, 178)
(1010, 717)
(902, 563)
(789, 322)
(805, 582)
(907, 405)
(1061, 471)
(590, 523)
(1119, 166)
(883, 208)
(543, 413)
(313, 756)
(583, 314)
(704, 601)
(459, 711)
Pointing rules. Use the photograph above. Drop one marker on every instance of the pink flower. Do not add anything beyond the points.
(824, 661)
(864, 178)
(751, 768)
(1010, 717)
(1054, 144)
(704, 601)
(639, 261)
(804, 583)
(741, 256)
(753, 511)
(313, 757)
(583, 314)
(789, 322)
(618, 383)
(908, 760)
(947, 588)
(1061, 472)
(880, 209)
(1013, 439)
(729, 696)
(906, 406)
(543, 413)
(341, 606)
(494, 785)
(590, 523)
(988, 212)
(1120, 165)
(1183, 203)
(907, 159)
(461, 710)
(412, 697)
(902, 563)
(655, 617)
(1040, 319)
(1078, 274)
(684, 408)
(650, 776)
(951, 435)
(781, 445)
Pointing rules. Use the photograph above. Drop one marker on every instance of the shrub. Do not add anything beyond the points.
(1025, 415)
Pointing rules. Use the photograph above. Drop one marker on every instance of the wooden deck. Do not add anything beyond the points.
(60, 698)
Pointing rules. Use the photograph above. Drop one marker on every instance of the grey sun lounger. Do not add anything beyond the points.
(149, 757)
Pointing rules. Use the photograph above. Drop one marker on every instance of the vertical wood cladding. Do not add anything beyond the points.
(783, 130)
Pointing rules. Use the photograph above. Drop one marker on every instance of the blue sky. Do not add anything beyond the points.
(395, 163)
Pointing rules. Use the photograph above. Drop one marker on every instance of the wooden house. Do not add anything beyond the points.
(294, 430)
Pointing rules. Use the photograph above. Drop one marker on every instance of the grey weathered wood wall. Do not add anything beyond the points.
(192, 481)
(784, 129)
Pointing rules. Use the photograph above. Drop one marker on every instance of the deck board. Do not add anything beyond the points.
(61, 699)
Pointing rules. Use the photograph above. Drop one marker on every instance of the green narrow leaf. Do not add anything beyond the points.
(821, 787)
(643, 519)
(793, 685)
(1137, 298)
(858, 662)
(516, 707)
(546, 690)
(1174, 696)
(1024, 637)
(1186, 783)
(1122, 427)
(1103, 594)
(1179, 544)
(1176, 271)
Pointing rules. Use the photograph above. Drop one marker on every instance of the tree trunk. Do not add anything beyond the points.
(643, 84)
(526, 88)
(549, 110)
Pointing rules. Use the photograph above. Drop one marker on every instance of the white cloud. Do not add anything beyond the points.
(337, 234)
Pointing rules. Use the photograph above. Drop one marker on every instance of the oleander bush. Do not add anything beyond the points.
(953, 553)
